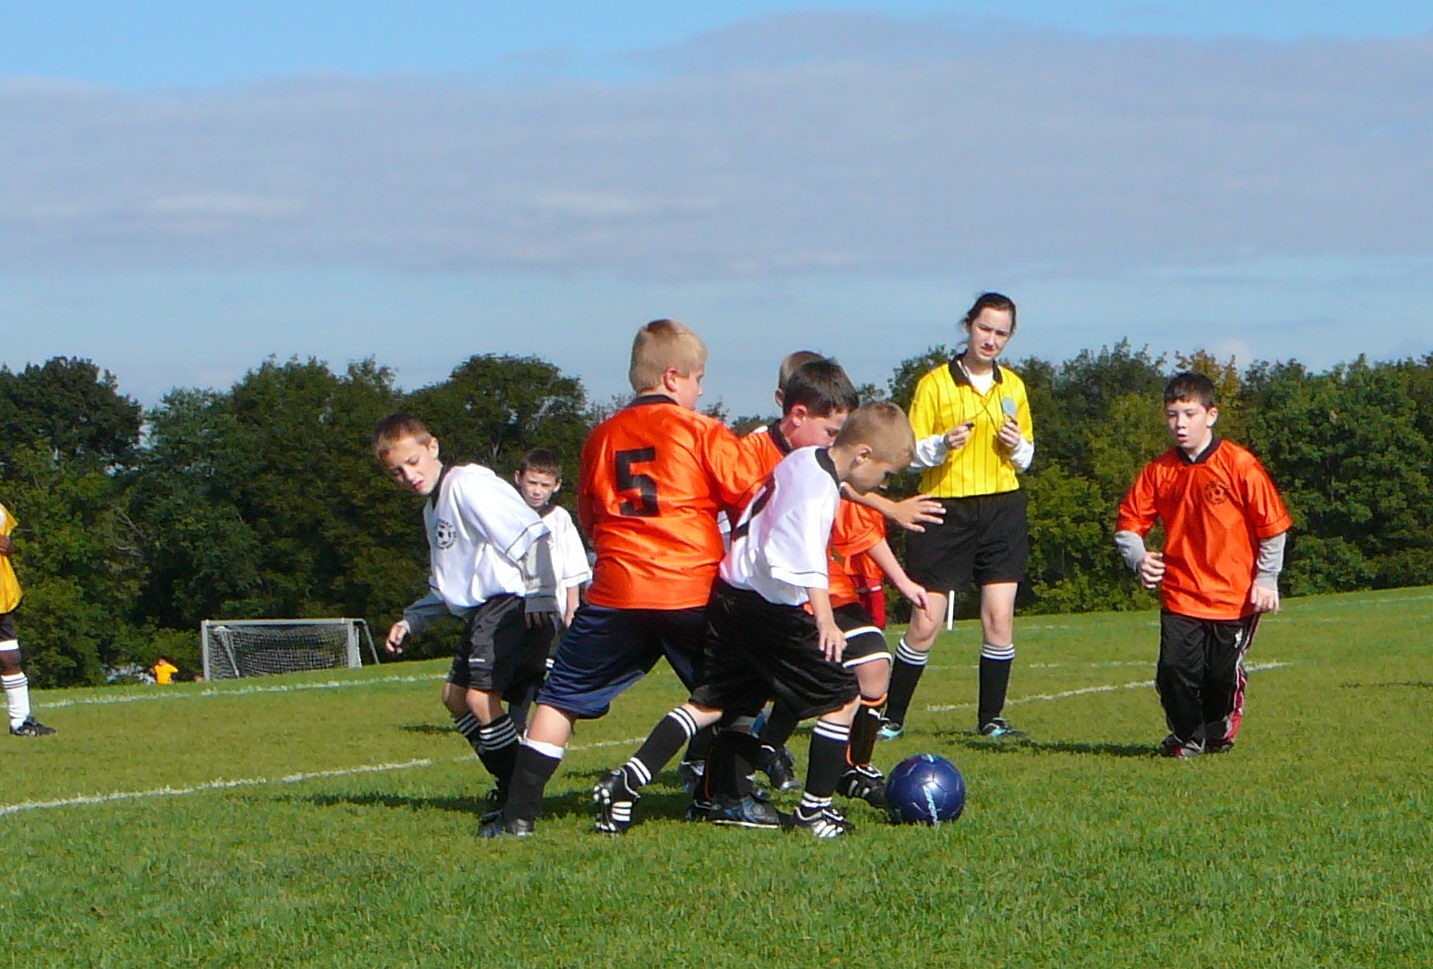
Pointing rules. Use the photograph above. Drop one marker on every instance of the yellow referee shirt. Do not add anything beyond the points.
(945, 398)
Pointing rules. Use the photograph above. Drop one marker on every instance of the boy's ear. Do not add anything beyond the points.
(557, 487)
(1213, 414)
(798, 413)
(669, 379)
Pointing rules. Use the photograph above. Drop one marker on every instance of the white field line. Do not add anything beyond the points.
(1086, 691)
(160, 693)
(219, 785)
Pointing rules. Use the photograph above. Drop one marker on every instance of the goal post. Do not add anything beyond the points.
(259, 647)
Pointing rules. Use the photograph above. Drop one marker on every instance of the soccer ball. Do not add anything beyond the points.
(925, 789)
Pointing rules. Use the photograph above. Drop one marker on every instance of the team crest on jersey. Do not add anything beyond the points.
(1215, 493)
(445, 534)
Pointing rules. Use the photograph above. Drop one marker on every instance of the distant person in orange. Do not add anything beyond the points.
(1224, 527)
(163, 671)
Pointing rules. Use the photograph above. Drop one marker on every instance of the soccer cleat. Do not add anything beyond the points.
(496, 800)
(690, 773)
(615, 800)
(31, 727)
(865, 783)
(998, 728)
(1218, 746)
(826, 823)
(750, 811)
(780, 768)
(890, 730)
(496, 828)
(1172, 746)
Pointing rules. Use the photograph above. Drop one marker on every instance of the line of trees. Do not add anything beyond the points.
(264, 501)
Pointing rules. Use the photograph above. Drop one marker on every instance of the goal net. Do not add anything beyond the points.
(259, 647)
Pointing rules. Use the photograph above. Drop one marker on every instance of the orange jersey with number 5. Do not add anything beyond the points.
(652, 479)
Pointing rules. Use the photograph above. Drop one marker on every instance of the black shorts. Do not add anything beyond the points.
(498, 652)
(756, 650)
(7, 626)
(983, 540)
(865, 643)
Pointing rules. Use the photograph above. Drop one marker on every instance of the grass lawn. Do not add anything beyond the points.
(327, 819)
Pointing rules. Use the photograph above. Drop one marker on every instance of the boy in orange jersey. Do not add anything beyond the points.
(1224, 525)
(652, 479)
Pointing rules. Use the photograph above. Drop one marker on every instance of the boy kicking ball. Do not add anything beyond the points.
(1224, 525)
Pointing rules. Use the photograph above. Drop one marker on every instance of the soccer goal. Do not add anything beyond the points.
(259, 647)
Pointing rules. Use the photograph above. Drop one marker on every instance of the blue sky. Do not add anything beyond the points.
(191, 188)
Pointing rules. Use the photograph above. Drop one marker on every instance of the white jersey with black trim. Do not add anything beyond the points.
(479, 529)
(778, 548)
(565, 564)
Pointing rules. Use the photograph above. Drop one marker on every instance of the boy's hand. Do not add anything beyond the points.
(396, 634)
(5, 544)
(915, 512)
(958, 435)
(1264, 600)
(1009, 434)
(534, 619)
(914, 593)
(833, 641)
(1151, 569)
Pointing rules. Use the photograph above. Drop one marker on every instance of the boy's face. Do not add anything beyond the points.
(536, 487)
(686, 388)
(804, 429)
(414, 466)
(1191, 424)
(868, 473)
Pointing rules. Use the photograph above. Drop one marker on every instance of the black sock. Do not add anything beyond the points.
(701, 744)
(661, 745)
(734, 755)
(467, 725)
(905, 675)
(995, 664)
(827, 760)
(779, 726)
(531, 772)
(497, 748)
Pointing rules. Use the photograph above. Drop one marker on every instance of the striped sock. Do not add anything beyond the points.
(905, 675)
(17, 697)
(995, 662)
(827, 759)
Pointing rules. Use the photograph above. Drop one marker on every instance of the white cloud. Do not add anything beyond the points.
(784, 145)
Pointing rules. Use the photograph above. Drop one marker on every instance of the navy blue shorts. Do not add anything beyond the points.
(607, 650)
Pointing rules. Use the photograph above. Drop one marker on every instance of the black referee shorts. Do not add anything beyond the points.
(983, 540)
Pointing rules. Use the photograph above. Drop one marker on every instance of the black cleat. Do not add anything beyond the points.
(497, 828)
(779, 767)
(750, 811)
(615, 800)
(865, 783)
(31, 728)
(825, 823)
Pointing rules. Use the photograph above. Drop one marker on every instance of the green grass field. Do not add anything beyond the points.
(328, 820)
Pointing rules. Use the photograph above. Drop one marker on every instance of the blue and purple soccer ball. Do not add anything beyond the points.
(925, 789)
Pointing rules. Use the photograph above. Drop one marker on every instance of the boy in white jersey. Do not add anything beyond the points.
(771, 630)
(555, 567)
(479, 530)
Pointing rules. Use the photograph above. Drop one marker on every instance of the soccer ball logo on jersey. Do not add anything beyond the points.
(445, 534)
(1215, 493)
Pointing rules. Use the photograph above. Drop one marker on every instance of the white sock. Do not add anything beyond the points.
(17, 697)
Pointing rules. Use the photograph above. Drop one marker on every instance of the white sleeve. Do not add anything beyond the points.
(1023, 454)
(930, 453)
(568, 553)
(421, 613)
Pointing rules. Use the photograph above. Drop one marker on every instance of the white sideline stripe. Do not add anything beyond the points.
(1085, 691)
(219, 785)
(159, 693)
(210, 786)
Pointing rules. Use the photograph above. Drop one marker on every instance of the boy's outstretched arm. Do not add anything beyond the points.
(911, 513)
